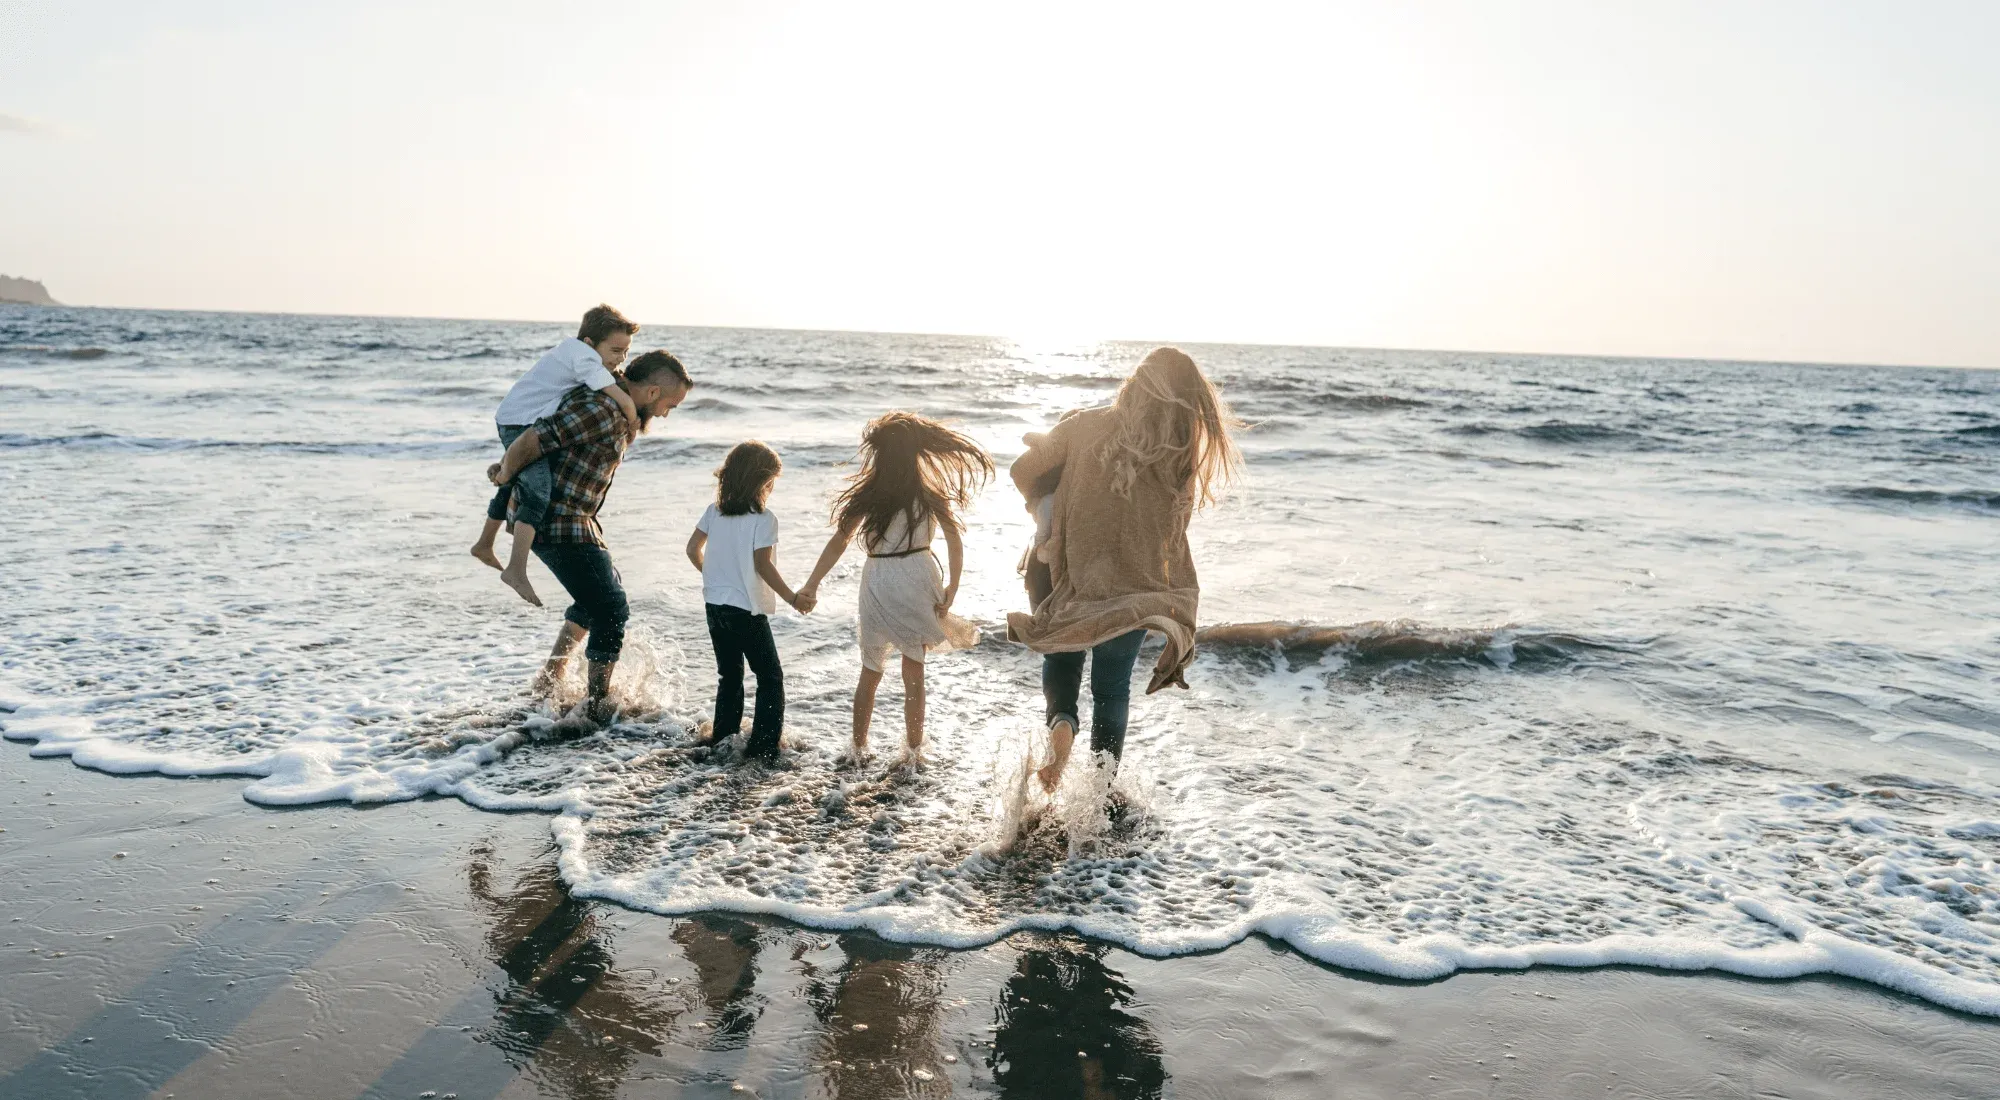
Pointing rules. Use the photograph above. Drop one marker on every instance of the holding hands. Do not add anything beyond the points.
(805, 599)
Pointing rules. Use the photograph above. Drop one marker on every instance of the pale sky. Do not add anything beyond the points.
(1816, 181)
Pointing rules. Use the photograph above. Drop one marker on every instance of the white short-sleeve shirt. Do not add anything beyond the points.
(568, 365)
(728, 564)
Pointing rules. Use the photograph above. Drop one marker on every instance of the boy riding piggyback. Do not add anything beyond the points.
(588, 359)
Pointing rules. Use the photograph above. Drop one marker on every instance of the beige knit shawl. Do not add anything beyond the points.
(1118, 563)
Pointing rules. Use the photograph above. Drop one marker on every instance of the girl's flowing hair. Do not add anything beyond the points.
(1170, 417)
(911, 466)
(743, 481)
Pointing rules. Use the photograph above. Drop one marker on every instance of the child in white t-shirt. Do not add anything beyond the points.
(588, 359)
(735, 547)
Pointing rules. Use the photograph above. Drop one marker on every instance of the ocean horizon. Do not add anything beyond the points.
(1068, 341)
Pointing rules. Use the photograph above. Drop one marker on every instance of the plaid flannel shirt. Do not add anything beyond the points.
(584, 440)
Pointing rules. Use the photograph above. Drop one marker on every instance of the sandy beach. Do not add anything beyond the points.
(166, 938)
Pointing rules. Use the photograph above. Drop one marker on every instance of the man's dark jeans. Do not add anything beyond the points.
(1110, 689)
(739, 636)
(598, 595)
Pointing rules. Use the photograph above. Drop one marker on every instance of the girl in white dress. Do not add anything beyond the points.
(916, 477)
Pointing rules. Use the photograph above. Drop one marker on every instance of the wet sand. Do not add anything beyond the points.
(165, 938)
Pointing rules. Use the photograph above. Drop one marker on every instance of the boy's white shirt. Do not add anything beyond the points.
(568, 365)
(729, 561)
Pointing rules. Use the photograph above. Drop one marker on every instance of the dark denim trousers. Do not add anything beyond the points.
(531, 488)
(596, 591)
(1110, 689)
(739, 637)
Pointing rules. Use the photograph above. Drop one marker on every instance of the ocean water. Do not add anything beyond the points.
(1511, 659)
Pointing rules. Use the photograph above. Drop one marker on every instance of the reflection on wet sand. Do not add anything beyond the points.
(724, 953)
(884, 1020)
(1066, 1029)
(578, 1022)
(881, 1015)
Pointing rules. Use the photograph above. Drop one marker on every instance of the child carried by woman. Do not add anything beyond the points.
(917, 477)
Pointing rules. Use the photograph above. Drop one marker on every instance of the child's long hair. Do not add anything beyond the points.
(1171, 417)
(914, 467)
(743, 482)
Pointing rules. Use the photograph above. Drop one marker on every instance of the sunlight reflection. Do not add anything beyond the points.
(1056, 353)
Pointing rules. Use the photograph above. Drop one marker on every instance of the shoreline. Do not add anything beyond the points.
(395, 948)
(419, 947)
(1347, 954)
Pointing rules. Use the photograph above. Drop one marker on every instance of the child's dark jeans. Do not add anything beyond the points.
(740, 637)
(531, 488)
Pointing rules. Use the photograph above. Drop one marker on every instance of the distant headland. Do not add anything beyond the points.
(24, 292)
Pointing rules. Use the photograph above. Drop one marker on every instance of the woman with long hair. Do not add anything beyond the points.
(916, 480)
(1126, 480)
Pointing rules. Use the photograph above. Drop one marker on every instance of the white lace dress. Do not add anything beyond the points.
(901, 586)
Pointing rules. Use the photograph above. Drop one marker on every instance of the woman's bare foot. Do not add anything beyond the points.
(484, 552)
(519, 583)
(857, 749)
(1060, 736)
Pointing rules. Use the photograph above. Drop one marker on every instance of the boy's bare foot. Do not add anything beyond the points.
(600, 710)
(484, 552)
(519, 583)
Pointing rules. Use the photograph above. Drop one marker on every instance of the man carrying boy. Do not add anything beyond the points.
(588, 359)
(583, 442)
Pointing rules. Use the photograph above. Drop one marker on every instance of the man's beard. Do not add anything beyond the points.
(645, 417)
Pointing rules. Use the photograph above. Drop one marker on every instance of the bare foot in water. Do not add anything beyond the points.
(519, 583)
(549, 679)
(484, 552)
(1061, 735)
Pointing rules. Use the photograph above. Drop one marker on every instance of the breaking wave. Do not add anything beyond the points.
(1403, 640)
(1974, 499)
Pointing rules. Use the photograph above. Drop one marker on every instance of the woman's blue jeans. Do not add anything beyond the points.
(1110, 689)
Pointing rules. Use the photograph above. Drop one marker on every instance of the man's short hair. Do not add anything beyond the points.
(647, 369)
(602, 321)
